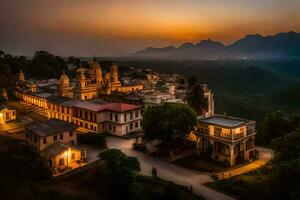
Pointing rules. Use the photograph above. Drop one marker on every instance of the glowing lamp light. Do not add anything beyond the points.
(1, 119)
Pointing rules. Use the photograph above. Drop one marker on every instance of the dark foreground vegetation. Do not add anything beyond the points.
(24, 175)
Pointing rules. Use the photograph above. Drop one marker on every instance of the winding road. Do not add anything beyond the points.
(169, 171)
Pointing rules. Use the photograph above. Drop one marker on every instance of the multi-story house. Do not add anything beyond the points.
(115, 118)
(228, 139)
(60, 108)
(157, 98)
(55, 140)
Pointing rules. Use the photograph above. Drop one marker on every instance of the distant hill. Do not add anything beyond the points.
(289, 97)
(279, 46)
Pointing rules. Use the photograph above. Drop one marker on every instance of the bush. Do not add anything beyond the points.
(139, 147)
(93, 139)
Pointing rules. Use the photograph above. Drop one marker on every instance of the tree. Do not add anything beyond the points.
(286, 168)
(119, 171)
(48, 65)
(6, 77)
(73, 60)
(197, 100)
(168, 121)
(273, 126)
(181, 81)
(192, 81)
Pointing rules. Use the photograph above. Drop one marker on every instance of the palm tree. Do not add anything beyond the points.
(197, 100)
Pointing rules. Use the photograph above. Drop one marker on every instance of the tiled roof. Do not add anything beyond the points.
(2, 107)
(117, 107)
(50, 127)
(57, 148)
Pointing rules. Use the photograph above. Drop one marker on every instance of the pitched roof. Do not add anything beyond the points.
(56, 149)
(2, 107)
(50, 127)
(117, 107)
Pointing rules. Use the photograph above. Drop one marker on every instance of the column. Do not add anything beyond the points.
(231, 158)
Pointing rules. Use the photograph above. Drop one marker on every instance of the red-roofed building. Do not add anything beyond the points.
(115, 118)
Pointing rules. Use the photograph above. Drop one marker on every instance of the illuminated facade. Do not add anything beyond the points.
(115, 118)
(90, 83)
(230, 140)
(6, 115)
(64, 88)
(55, 140)
(210, 101)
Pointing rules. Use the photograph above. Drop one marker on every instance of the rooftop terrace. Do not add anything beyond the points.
(225, 121)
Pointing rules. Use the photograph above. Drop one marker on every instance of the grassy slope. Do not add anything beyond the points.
(245, 187)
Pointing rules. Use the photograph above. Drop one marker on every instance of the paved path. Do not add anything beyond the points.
(264, 156)
(169, 171)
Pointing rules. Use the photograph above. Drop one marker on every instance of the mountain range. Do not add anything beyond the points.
(252, 46)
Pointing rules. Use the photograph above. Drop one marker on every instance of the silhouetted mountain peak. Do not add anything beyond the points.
(171, 47)
(253, 36)
(284, 45)
(209, 44)
(186, 45)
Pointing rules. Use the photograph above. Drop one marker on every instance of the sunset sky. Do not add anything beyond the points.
(109, 27)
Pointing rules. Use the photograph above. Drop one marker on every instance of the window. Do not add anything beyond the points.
(131, 126)
(61, 161)
(44, 140)
(125, 117)
(71, 133)
(116, 117)
(114, 129)
(109, 127)
(110, 117)
(61, 136)
(136, 113)
(54, 137)
(217, 131)
(131, 115)
(136, 124)
(73, 156)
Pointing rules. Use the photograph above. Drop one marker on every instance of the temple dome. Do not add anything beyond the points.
(64, 81)
(95, 68)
